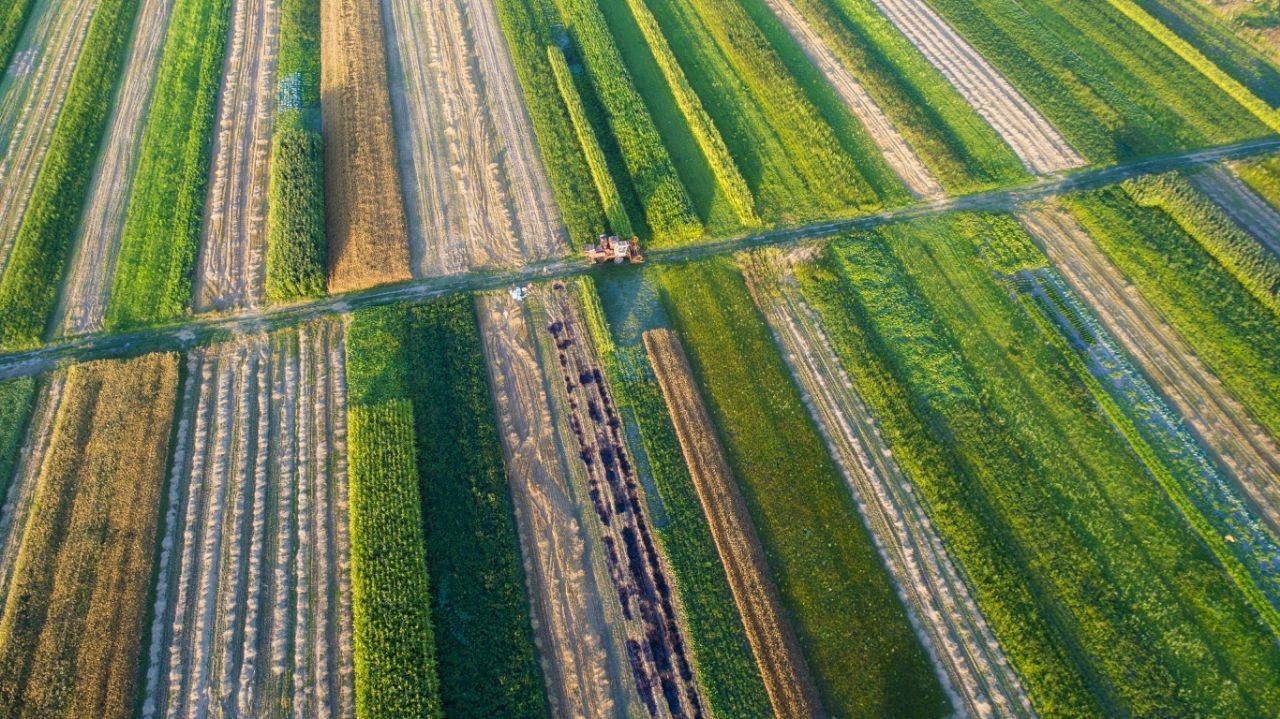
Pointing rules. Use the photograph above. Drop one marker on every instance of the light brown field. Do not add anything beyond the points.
(786, 676)
(368, 242)
(69, 637)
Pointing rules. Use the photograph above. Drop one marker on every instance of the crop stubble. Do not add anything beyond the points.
(786, 676)
(368, 242)
(253, 604)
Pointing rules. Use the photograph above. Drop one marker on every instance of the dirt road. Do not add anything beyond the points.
(975, 670)
(897, 153)
(233, 245)
(1250, 211)
(83, 303)
(1248, 454)
(31, 96)
(252, 607)
(1033, 139)
(581, 660)
(475, 192)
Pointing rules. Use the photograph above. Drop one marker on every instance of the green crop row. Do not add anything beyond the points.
(29, 288)
(1252, 264)
(836, 592)
(721, 653)
(700, 124)
(1229, 330)
(13, 20)
(16, 398)
(1102, 595)
(667, 207)
(619, 223)
(1183, 49)
(1263, 175)
(956, 144)
(161, 233)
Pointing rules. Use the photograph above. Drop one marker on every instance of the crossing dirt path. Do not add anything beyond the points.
(83, 303)
(476, 195)
(1033, 139)
(232, 265)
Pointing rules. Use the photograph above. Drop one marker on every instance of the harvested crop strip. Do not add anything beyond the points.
(786, 677)
(230, 271)
(368, 242)
(1031, 136)
(161, 233)
(83, 301)
(69, 637)
(29, 287)
(253, 599)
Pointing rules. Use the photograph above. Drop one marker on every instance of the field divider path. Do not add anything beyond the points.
(1254, 214)
(82, 304)
(17, 502)
(1031, 136)
(900, 156)
(1247, 453)
(965, 652)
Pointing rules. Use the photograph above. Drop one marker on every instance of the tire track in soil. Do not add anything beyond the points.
(975, 670)
(232, 263)
(1243, 449)
(31, 97)
(252, 610)
(1254, 214)
(1035, 141)
(475, 192)
(581, 662)
(900, 156)
(83, 303)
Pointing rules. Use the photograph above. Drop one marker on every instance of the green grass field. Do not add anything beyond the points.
(16, 399)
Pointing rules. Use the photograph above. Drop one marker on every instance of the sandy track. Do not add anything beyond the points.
(1035, 141)
(364, 213)
(253, 613)
(475, 192)
(791, 690)
(897, 153)
(31, 97)
(232, 268)
(1248, 454)
(975, 670)
(1242, 204)
(579, 660)
(83, 303)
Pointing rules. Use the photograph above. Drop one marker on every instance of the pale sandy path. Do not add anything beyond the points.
(83, 302)
(974, 668)
(897, 153)
(1248, 454)
(31, 97)
(1033, 139)
(232, 269)
(584, 677)
(1250, 211)
(475, 192)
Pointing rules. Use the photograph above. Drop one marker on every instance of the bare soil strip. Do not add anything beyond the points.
(897, 153)
(368, 242)
(17, 503)
(1031, 136)
(83, 302)
(786, 676)
(1250, 211)
(475, 192)
(232, 268)
(580, 660)
(252, 614)
(975, 669)
(31, 97)
(1248, 454)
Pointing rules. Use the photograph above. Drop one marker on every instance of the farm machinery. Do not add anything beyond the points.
(611, 249)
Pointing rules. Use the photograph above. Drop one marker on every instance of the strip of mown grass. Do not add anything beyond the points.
(161, 233)
(1113, 91)
(16, 399)
(1229, 330)
(1102, 595)
(29, 288)
(296, 244)
(836, 592)
(721, 653)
